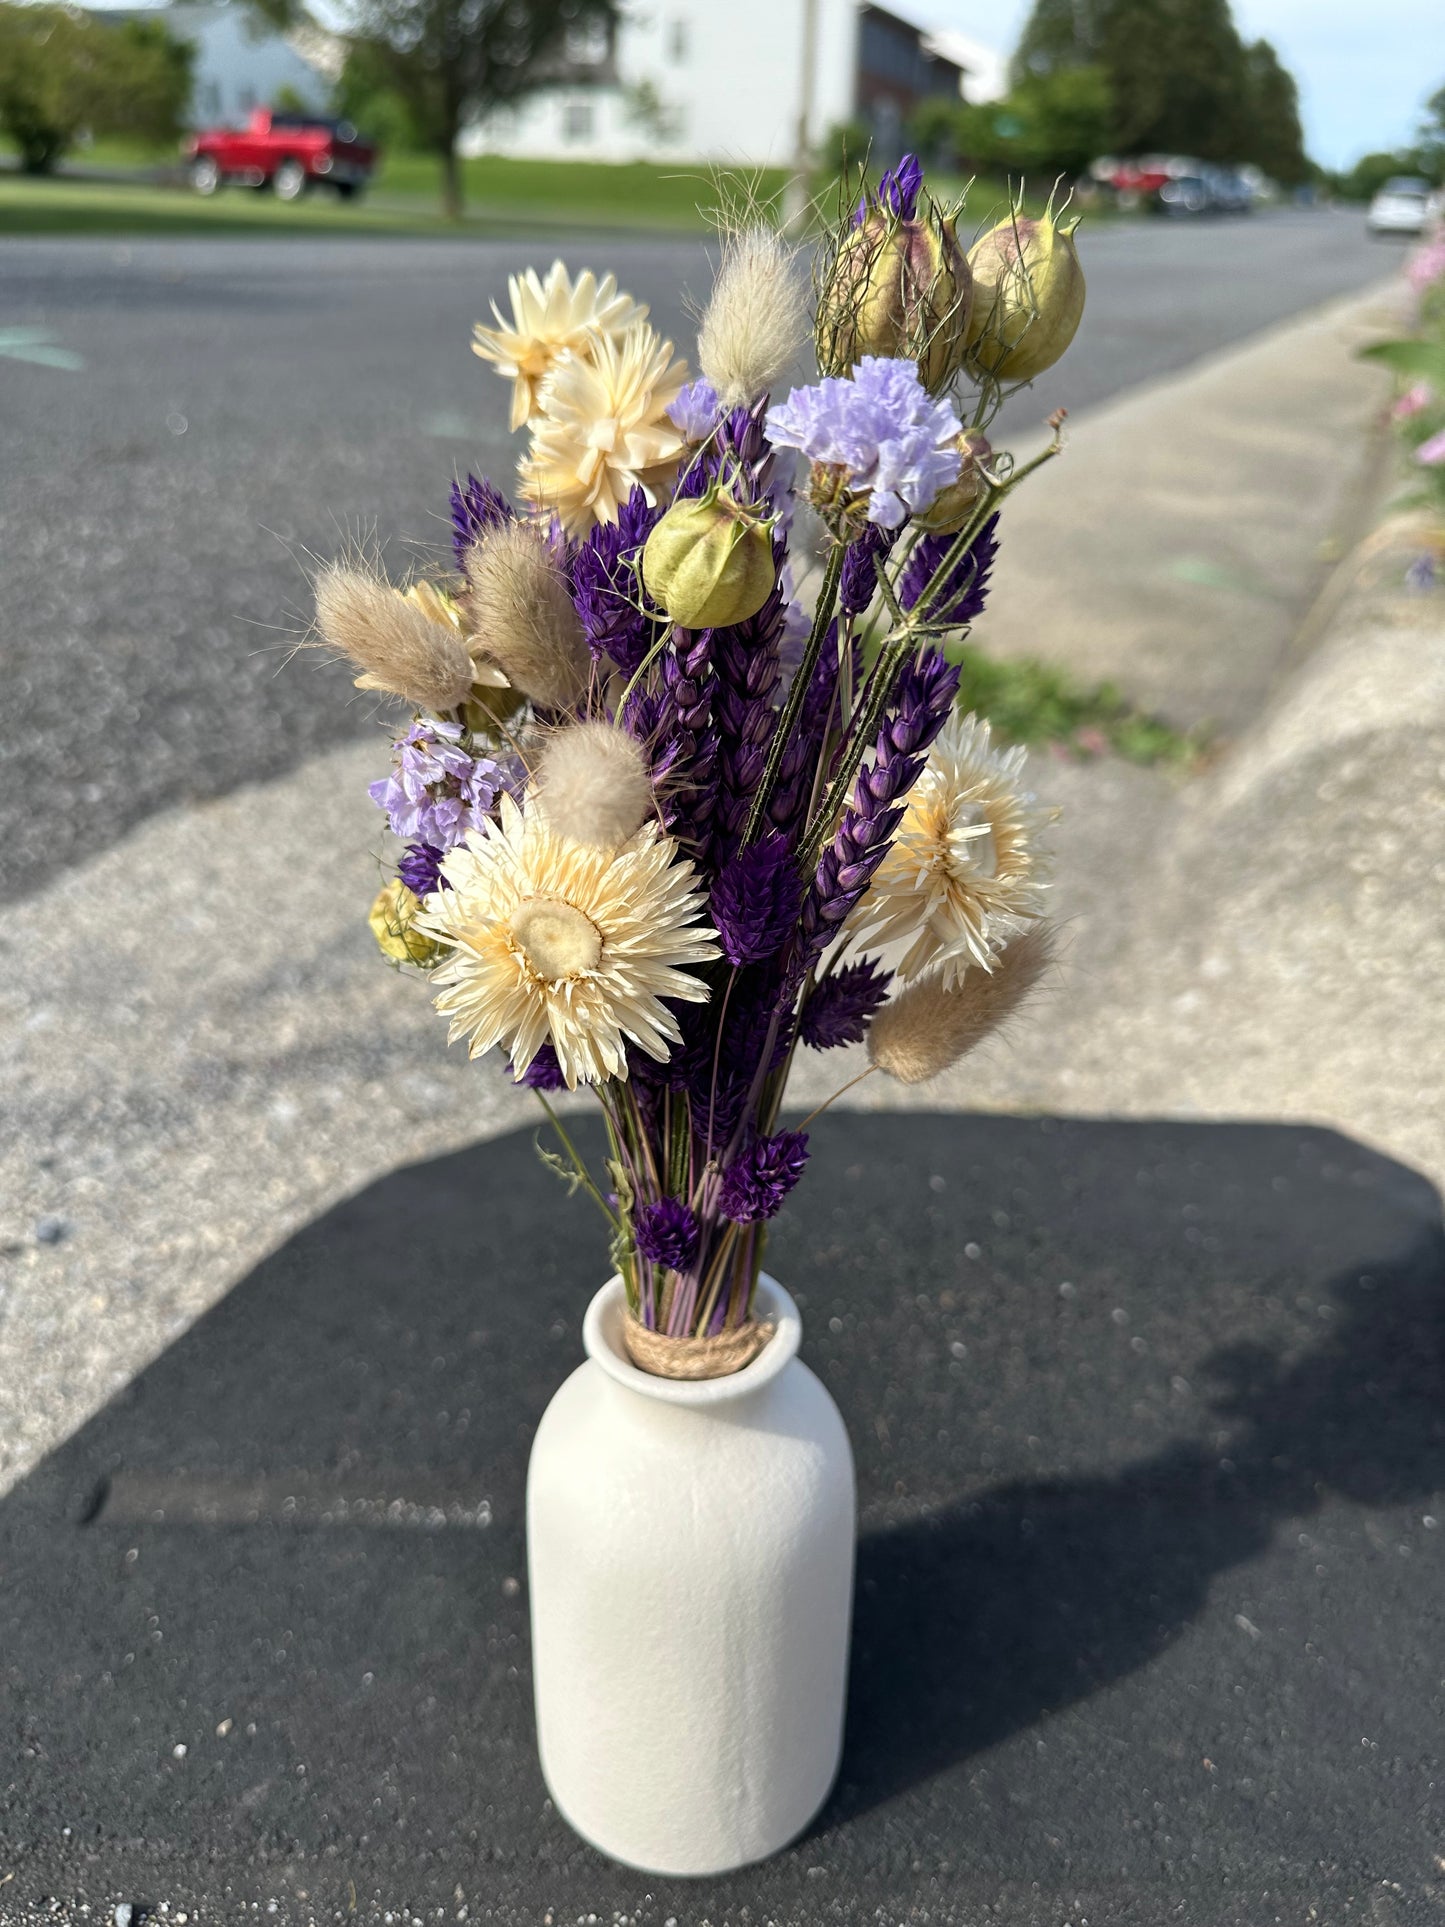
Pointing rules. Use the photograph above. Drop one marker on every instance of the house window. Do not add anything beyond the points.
(577, 120)
(677, 42)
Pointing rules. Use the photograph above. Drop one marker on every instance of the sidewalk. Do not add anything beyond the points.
(210, 1053)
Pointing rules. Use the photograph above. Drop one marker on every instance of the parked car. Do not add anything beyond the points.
(285, 152)
(1402, 206)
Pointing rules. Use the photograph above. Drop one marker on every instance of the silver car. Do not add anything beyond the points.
(1404, 205)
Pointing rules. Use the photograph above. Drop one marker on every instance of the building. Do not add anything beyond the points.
(241, 63)
(733, 84)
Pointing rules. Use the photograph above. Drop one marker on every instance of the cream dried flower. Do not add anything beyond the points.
(550, 319)
(966, 872)
(604, 428)
(406, 643)
(930, 1025)
(551, 939)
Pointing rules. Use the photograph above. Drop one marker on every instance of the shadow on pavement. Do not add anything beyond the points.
(1147, 1417)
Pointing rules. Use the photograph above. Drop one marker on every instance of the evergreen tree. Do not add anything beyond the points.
(1274, 139)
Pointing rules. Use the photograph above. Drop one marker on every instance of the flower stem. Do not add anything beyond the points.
(797, 694)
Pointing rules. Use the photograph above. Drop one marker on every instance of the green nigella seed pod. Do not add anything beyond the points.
(952, 506)
(391, 918)
(709, 562)
(901, 289)
(1028, 297)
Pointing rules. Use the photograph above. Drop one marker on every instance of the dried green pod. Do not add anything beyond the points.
(901, 288)
(1028, 297)
(952, 506)
(391, 918)
(709, 562)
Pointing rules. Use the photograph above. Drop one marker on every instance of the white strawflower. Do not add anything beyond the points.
(966, 872)
(604, 427)
(550, 319)
(549, 939)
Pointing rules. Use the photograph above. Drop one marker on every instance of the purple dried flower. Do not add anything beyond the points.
(675, 722)
(746, 658)
(755, 901)
(755, 1184)
(840, 1009)
(966, 591)
(920, 707)
(667, 1233)
(477, 505)
(695, 409)
(420, 869)
(860, 568)
(883, 427)
(607, 586)
(544, 1073)
(437, 790)
(898, 191)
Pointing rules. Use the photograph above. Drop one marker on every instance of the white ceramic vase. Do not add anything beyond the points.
(690, 1553)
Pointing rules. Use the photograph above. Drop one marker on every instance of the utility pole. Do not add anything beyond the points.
(795, 196)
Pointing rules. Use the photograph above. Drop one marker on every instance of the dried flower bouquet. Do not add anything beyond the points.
(664, 825)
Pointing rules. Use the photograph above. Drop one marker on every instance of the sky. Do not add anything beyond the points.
(1364, 67)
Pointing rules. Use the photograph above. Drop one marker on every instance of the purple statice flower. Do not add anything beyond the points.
(420, 869)
(883, 427)
(920, 707)
(477, 505)
(898, 191)
(695, 409)
(1421, 574)
(667, 1233)
(963, 595)
(437, 790)
(607, 586)
(755, 900)
(755, 1184)
(860, 568)
(841, 1008)
(544, 1073)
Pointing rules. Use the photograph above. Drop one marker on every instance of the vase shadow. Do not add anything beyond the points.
(978, 1619)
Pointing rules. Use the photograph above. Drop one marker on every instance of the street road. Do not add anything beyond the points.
(185, 421)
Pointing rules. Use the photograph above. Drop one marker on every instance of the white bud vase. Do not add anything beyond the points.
(690, 1551)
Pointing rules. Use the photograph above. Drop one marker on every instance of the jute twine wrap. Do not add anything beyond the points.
(716, 1357)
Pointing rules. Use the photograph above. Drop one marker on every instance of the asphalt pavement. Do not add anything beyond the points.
(207, 414)
(1149, 1606)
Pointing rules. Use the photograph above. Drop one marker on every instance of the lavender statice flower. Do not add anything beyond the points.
(898, 191)
(607, 589)
(920, 707)
(840, 1009)
(695, 409)
(667, 1233)
(755, 900)
(755, 1184)
(420, 869)
(880, 425)
(964, 594)
(860, 568)
(477, 505)
(437, 790)
(544, 1073)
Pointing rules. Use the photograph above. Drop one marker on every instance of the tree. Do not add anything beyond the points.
(452, 61)
(1179, 77)
(1274, 139)
(63, 72)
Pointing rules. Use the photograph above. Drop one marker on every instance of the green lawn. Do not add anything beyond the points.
(405, 198)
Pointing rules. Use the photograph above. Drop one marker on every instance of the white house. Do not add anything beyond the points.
(727, 81)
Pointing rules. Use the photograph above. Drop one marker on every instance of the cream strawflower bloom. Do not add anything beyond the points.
(604, 427)
(966, 873)
(551, 939)
(550, 319)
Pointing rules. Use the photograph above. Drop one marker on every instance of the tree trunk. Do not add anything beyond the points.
(451, 181)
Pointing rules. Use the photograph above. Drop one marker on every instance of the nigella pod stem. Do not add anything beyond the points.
(797, 693)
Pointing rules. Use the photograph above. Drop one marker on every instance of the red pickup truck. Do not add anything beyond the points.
(285, 152)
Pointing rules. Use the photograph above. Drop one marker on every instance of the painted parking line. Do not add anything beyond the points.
(38, 345)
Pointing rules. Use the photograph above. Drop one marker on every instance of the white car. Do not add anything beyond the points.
(1402, 206)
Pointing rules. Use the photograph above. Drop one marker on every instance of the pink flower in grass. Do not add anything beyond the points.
(1426, 266)
(1432, 453)
(1413, 401)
